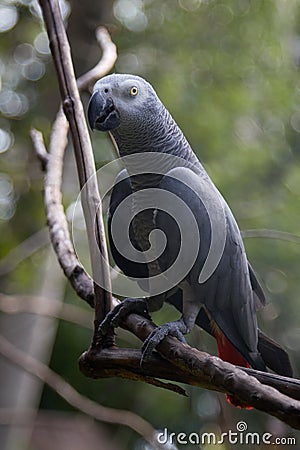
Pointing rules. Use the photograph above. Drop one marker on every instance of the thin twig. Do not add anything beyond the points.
(105, 64)
(74, 398)
(59, 231)
(10, 304)
(91, 202)
(266, 233)
(56, 218)
(24, 250)
(49, 307)
(41, 151)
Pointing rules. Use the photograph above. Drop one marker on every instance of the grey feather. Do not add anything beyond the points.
(140, 124)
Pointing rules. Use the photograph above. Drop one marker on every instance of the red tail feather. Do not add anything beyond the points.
(228, 353)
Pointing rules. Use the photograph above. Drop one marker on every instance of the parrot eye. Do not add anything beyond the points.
(134, 91)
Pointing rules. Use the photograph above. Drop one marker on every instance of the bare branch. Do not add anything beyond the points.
(123, 362)
(59, 232)
(107, 61)
(15, 304)
(46, 307)
(41, 151)
(109, 363)
(212, 373)
(271, 234)
(91, 202)
(22, 251)
(73, 397)
(56, 219)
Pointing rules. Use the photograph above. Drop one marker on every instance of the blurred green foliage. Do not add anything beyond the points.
(228, 71)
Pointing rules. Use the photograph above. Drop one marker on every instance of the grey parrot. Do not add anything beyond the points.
(224, 301)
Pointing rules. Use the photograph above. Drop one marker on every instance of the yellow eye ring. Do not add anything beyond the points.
(134, 91)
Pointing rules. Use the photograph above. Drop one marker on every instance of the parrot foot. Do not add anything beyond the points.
(123, 309)
(176, 329)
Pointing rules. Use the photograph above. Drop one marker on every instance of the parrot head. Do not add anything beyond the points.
(120, 99)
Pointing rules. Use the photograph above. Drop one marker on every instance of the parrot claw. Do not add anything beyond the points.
(123, 309)
(175, 329)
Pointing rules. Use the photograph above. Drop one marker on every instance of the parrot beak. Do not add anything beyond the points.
(102, 114)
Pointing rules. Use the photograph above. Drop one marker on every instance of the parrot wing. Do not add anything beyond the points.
(274, 356)
(226, 290)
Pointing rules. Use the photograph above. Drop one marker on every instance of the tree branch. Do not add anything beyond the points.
(266, 233)
(107, 364)
(10, 304)
(24, 250)
(74, 398)
(198, 368)
(107, 61)
(90, 198)
(58, 226)
(56, 218)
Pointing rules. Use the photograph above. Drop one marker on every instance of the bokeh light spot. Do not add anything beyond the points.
(276, 281)
(292, 180)
(190, 5)
(221, 15)
(41, 43)
(34, 71)
(295, 121)
(8, 17)
(13, 104)
(7, 200)
(24, 54)
(6, 140)
(291, 339)
(270, 312)
(247, 129)
(131, 15)
(208, 405)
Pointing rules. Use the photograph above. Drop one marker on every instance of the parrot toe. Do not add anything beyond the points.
(123, 309)
(176, 329)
